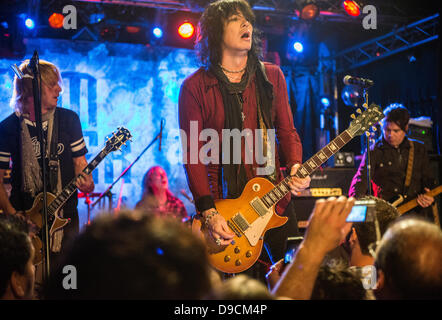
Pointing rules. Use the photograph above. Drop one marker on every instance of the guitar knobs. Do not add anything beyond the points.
(358, 111)
(248, 254)
(352, 116)
(237, 250)
(226, 258)
(238, 262)
(365, 105)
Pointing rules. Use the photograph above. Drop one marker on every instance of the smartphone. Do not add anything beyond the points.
(362, 211)
(291, 245)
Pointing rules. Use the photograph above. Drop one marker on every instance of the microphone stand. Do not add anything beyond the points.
(107, 191)
(36, 88)
(368, 147)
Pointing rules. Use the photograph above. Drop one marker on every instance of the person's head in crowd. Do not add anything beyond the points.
(408, 261)
(337, 283)
(17, 271)
(395, 124)
(134, 256)
(362, 234)
(241, 287)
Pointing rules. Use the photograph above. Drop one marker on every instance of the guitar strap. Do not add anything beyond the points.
(409, 168)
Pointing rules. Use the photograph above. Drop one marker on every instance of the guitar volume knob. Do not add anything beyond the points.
(226, 258)
(238, 262)
(237, 250)
(248, 254)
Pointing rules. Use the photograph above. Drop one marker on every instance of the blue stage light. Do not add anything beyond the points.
(157, 32)
(325, 102)
(298, 46)
(29, 23)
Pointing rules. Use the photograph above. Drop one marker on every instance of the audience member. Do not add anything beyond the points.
(337, 283)
(134, 256)
(326, 229)
(17, 271)
(241, 287)
(408, 261)
(363, 234)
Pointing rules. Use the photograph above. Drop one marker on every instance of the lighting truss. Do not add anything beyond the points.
(402, 39)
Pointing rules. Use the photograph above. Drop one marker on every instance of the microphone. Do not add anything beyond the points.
(364, 83)
(161, 134)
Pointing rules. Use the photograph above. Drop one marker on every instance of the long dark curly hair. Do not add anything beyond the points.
(211, 29)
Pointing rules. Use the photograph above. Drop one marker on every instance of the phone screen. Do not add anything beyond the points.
(357, 214)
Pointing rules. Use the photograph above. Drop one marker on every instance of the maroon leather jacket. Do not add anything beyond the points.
(201, 101)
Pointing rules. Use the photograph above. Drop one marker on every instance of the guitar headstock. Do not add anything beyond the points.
(118, 139)
(365, 120)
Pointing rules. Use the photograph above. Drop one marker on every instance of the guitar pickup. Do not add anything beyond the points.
(259, 207)
(240, 222)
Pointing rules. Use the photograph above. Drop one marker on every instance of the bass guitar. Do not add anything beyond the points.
(253, 213)
(55, 202)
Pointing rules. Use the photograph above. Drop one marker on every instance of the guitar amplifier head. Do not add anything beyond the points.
(325, 182)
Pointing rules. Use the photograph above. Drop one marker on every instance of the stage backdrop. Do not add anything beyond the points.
(110, 85)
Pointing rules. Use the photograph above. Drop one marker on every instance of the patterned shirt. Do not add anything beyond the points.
(173, 207)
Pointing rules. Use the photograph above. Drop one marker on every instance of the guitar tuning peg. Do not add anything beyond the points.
(358, 111)
(352, 116)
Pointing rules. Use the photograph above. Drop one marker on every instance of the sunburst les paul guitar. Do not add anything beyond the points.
(253, 213)
(55, 202)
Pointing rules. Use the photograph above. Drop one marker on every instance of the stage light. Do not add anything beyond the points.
(56, 20)
(186, 30)
(132, 29)
(157, 32)
(298, 47)
(29, 23)
(325, 102)
(309, 10)
(352, 8)
(352, 96)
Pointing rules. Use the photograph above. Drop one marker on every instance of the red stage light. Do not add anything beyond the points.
(186, 30)
(56, 20)
(132, 29)
(309, 11)
(352, 8)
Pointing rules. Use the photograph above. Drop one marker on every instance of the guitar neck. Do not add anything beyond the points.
(71, 187)
(306, 169)
(413, 203)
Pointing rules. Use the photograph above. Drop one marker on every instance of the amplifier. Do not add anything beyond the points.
(325, 183)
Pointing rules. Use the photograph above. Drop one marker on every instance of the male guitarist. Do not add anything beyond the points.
(65, 154)
(234, 90)
(399, 165)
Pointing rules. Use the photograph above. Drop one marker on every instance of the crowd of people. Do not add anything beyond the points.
(166, 260)
(151, 253)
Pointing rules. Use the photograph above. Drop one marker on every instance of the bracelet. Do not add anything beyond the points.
(210, 216)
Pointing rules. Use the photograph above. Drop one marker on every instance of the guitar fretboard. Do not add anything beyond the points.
(306, 169)
(69, 190)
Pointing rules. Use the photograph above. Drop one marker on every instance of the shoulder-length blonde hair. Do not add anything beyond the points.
(50, 75)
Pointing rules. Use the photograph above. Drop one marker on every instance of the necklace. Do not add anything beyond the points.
(239, 71)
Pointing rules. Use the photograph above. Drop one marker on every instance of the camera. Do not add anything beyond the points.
(291, 245)
(362, 211)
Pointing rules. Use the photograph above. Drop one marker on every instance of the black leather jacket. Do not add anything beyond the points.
(389, 168)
